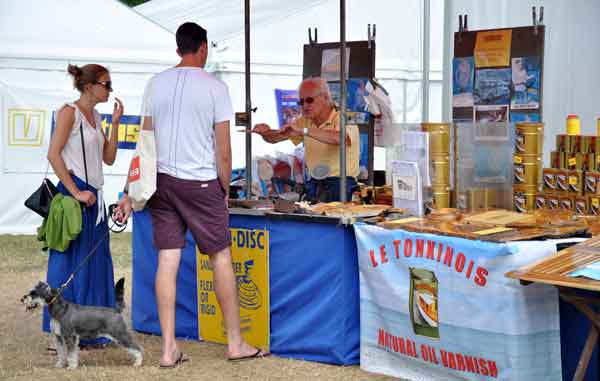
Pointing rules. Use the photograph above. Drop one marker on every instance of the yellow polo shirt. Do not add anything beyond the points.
(319, 153)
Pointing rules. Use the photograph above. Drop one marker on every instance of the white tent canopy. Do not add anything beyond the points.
(278, 32)
(38, 39)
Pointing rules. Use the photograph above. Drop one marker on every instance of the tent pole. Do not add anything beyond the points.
(425, 67)
(343, 101)
(248, 101)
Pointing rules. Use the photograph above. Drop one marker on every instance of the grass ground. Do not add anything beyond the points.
(23, 354)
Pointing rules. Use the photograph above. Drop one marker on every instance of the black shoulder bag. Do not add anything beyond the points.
(40, 200)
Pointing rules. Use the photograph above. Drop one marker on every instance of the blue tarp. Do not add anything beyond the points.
(313, 287)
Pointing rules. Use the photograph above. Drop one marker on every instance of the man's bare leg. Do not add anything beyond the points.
(166, 291)
(227, 295)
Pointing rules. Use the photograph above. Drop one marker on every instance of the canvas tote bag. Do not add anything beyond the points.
(142, 172)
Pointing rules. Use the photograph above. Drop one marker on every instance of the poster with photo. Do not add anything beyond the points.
(526, 83)
(330, 64)
(287, 106)
(491, 114)
(463, 72)
(356, 105)
(492, 87)
(520, 117)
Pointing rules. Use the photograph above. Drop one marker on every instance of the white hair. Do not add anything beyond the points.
(320, 84)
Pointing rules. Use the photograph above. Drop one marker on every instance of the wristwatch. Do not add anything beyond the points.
(305, 131)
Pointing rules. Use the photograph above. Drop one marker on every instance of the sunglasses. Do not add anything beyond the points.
(106, 84)
(307, 100)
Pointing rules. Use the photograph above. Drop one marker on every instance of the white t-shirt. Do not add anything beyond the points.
(185, 103)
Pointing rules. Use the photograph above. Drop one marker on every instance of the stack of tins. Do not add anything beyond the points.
(439, 155)
(572, 181)
(527, 166)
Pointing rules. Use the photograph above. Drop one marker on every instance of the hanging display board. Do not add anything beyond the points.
(496, 82)
(323, 60)
(497, 75)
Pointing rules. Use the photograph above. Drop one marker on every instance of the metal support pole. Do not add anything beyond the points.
(425, 63)
(447, 77)
(343, 70)
(248, 102)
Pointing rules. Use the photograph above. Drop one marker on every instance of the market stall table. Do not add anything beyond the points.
(314, 304)
(555, 270)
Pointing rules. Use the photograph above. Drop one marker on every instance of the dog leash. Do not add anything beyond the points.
(122, 227)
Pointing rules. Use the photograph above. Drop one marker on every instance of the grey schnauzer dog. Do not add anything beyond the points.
(70, 322)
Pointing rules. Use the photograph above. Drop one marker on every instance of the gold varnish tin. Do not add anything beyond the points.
(524, 197)
(577, 143)
(557, 159)
(553, 201)
(594, 205)
(439, 137)
(562, 180)
(529, 138)
(575, 182)
(540, 201)
(567, 202)
(574, 161)
(562, 142)
(441, 196)
(581, 205)
(590, 182)
(549, 179)
(527, 169)
(440, 167)
(594, 144)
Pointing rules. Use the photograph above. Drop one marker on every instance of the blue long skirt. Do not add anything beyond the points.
(94, 284)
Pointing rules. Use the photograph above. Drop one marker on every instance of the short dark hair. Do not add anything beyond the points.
(189, 37)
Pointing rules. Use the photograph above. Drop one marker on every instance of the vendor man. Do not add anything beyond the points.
(319, 128)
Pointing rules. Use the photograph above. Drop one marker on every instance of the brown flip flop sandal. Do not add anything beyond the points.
(257, 355)
(180, 360)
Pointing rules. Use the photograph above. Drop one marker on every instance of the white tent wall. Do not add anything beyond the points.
(38, 39)
(572, 53)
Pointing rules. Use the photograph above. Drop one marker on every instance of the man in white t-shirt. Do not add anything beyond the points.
(189, 111)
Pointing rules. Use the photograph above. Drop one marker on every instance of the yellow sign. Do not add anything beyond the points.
(492, 48)
(518, 159)
(250, 257)
(26, 127)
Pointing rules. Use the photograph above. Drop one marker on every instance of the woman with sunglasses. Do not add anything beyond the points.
(82, 178)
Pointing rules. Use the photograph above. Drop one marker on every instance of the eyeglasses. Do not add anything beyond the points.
(307, 100)
(106, 84)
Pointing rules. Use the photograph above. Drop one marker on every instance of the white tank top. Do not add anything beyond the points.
(72, 152)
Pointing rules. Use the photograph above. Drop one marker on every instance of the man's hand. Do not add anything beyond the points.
(261, 128)
(292, 130)
(271, 136)
(123, 209)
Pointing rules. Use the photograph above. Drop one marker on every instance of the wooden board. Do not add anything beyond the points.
(554, 269)
(501, 217)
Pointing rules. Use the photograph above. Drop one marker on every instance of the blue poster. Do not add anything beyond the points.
(287, 106)
(463, 71)
(526, 82)
(492, 87)
(356, 105)
(441, 308)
